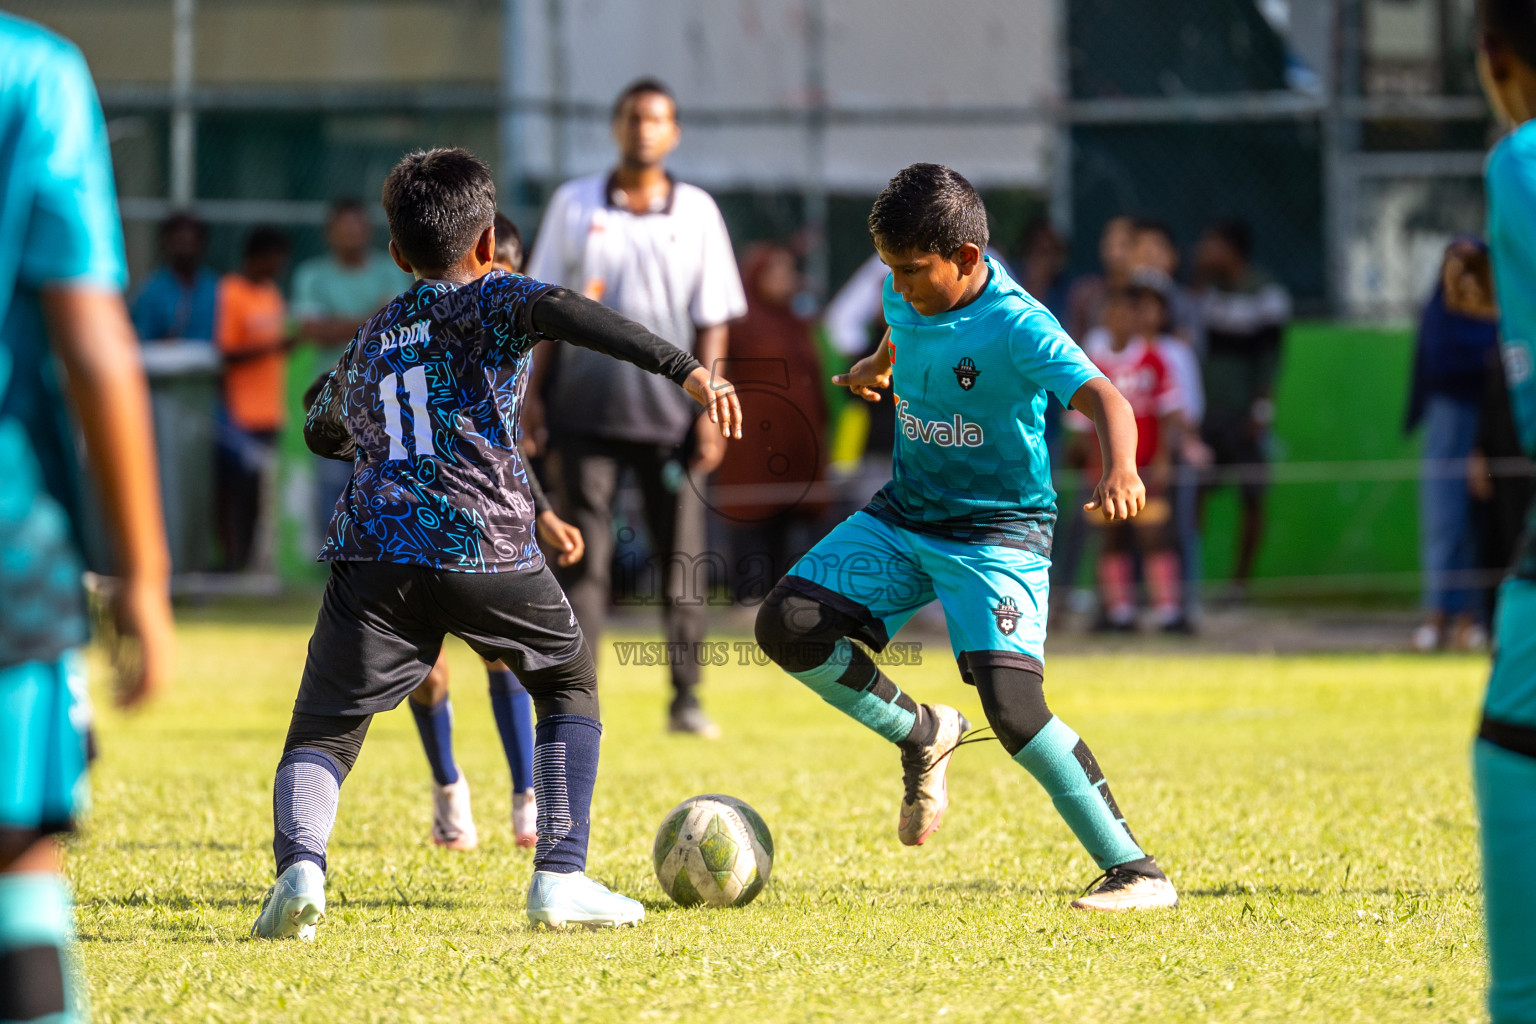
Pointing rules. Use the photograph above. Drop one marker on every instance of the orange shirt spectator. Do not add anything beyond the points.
(251, 332)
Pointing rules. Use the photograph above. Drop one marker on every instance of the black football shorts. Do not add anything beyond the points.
(381, 627)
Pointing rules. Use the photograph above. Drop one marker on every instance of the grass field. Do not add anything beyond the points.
(1314, 812)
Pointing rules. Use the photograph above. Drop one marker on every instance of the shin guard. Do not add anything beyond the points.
(1063, 764)
(304, 799)
(564, 773)
(850, 682)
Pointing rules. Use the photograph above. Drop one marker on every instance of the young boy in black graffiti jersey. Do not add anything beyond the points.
(435, 534)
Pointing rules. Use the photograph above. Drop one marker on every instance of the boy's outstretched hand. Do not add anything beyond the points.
(718, 397)
(869, 373)
(1119, 496)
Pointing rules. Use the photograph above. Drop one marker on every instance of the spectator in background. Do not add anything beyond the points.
(252, 334)
(1085, 312)
(1086, 299)
(177, 300)
(1243, 313)
(657, 251)
(763, 485)
(1189, 454)
(1153, 248)
(1042, 261)
(1128, 355)
(332, 295)
(1458, 331)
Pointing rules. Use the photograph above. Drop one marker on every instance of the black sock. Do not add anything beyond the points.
(924, 730)
(1146, 867)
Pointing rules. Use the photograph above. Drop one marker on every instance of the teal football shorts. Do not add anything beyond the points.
(995, 597)
(45, 721)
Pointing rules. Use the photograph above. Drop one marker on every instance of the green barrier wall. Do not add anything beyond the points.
(1341, 398)
(296, 539)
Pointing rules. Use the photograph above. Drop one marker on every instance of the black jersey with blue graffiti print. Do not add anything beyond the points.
(426, 402)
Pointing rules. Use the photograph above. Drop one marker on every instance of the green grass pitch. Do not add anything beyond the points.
(1315, 814)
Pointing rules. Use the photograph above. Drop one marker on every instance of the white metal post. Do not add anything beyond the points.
(183, 118)
(818, 268)
(1061, 135)
(1341, 136)
(511, 187)
(559, 87)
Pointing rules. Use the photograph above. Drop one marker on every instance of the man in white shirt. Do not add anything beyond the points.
(656, 250)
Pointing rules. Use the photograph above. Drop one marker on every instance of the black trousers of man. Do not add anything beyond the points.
(678, 574)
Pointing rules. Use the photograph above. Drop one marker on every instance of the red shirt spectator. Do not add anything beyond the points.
(1138, 371)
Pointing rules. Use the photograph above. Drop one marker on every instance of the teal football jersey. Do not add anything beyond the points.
(970, 389)
(1511, 183)
(1511, 180)
(58, 225)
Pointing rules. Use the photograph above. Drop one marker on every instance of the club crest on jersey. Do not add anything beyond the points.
(966, 373)
(951, 433)
(1007, 615)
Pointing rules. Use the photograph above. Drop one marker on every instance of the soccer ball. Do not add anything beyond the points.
(714, 850)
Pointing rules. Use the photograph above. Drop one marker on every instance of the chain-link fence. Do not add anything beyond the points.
(1348, 133)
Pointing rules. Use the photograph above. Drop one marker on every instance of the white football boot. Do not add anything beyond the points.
(1125, 890)
(558, 900)
(294, 904)
(453, 825)
(923, 774)
(525, 819)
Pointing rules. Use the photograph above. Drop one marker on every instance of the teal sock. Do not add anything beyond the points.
(1062, 763)
(1506, 808)
(850, 682)
(37, 976)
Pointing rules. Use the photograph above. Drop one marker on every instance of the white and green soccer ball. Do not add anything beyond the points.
(713, 850)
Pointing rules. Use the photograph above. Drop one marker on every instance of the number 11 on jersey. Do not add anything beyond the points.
(416, 391)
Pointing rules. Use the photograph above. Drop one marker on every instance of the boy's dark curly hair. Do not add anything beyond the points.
(438, 201)
(928, 208)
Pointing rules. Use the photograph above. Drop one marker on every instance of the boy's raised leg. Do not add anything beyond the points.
(809, 640)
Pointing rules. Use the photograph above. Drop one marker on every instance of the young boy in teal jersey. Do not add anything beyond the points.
(966, 520)
(1504, 754)
(61, 308)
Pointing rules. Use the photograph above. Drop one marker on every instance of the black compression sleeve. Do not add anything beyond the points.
(540, 502)
(563, 314)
